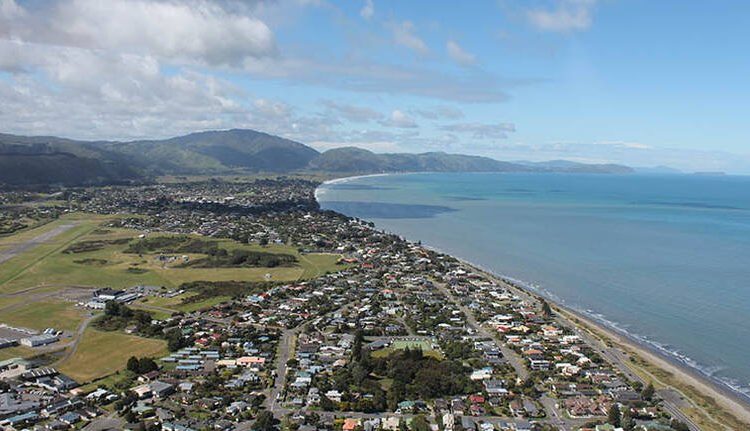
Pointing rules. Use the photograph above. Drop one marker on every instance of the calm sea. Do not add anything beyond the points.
(665, 258)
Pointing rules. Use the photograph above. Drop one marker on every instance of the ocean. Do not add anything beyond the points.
(665, 259)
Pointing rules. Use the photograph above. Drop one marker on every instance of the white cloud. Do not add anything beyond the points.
(459, 55)
(191, 30)
(622, 144)
(87, 94)
(565, 16)
(10, 9)
(404, 35)
(481, 131)
(368, 10)
(399, 119)
(357, 114)
(440, 112)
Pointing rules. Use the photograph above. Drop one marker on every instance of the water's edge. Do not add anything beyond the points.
(683, 362)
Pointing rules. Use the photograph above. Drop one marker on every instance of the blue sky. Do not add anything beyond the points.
(638, 82)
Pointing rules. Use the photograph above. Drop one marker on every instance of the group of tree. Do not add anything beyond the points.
(142, 365)
(221, 258)
(414, 376)
(176, 340)
(118, 316)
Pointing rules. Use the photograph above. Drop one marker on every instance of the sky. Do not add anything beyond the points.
(638, 82)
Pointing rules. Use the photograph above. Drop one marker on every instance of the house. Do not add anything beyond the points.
(251, 361)
(495, 387)
(391, 423)
(449, 422)
(169, 426)
(70, 418)
(161, 389)
(237, 407)
(481, 374)
(350, 424)
(334, 395)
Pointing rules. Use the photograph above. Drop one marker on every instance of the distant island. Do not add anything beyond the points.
(32, 160)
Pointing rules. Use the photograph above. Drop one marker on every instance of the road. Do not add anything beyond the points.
(105, 423)
(18, 248)
(71, 347)
(286, 345)
(620, 360)
(513, 358)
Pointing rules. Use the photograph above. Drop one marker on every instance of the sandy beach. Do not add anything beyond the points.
(733, 403)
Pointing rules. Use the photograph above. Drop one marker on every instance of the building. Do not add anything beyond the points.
(39, 340)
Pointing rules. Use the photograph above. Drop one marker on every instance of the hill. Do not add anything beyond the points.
(357, 160)
(39, 160)
(49, 160)
(218, 152)
(566, 166)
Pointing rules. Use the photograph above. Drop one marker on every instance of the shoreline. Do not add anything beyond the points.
(733, 400)
(736, 402)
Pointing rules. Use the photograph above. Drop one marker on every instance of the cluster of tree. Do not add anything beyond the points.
(93, 245)
(458, 350)
(119, 316)
(414, 376)
(176, 340)
(172, 244)
(141, 366)
(221, 258)
(232, 289)
(428, 315)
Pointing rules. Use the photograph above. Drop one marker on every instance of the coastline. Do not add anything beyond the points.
(729, 398)
(736, 402)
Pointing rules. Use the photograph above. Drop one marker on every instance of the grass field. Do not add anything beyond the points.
(46, 265)
(426, 347)
(100, 354)
(176, 303)
(16, 352)
(45, 314)
(13, 272)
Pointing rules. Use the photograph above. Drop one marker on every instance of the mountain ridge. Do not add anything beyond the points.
(31, 160)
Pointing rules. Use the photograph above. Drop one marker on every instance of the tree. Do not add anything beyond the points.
(546, 310)
(627, 422)
(133, 364)
(357, 347)
(175, 340)
(648, 392)
(679, 426)
(264, 421)
(613, 415)
(146, 365)
(419, 423)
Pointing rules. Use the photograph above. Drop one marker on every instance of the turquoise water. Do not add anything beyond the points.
(665, 258)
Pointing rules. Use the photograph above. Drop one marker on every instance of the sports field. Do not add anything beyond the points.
(101, 353)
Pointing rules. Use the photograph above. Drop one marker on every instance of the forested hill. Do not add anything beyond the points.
(26, 160)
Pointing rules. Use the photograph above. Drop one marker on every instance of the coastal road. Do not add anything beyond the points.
(671, 399)
(613, 355)
(20, 247)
